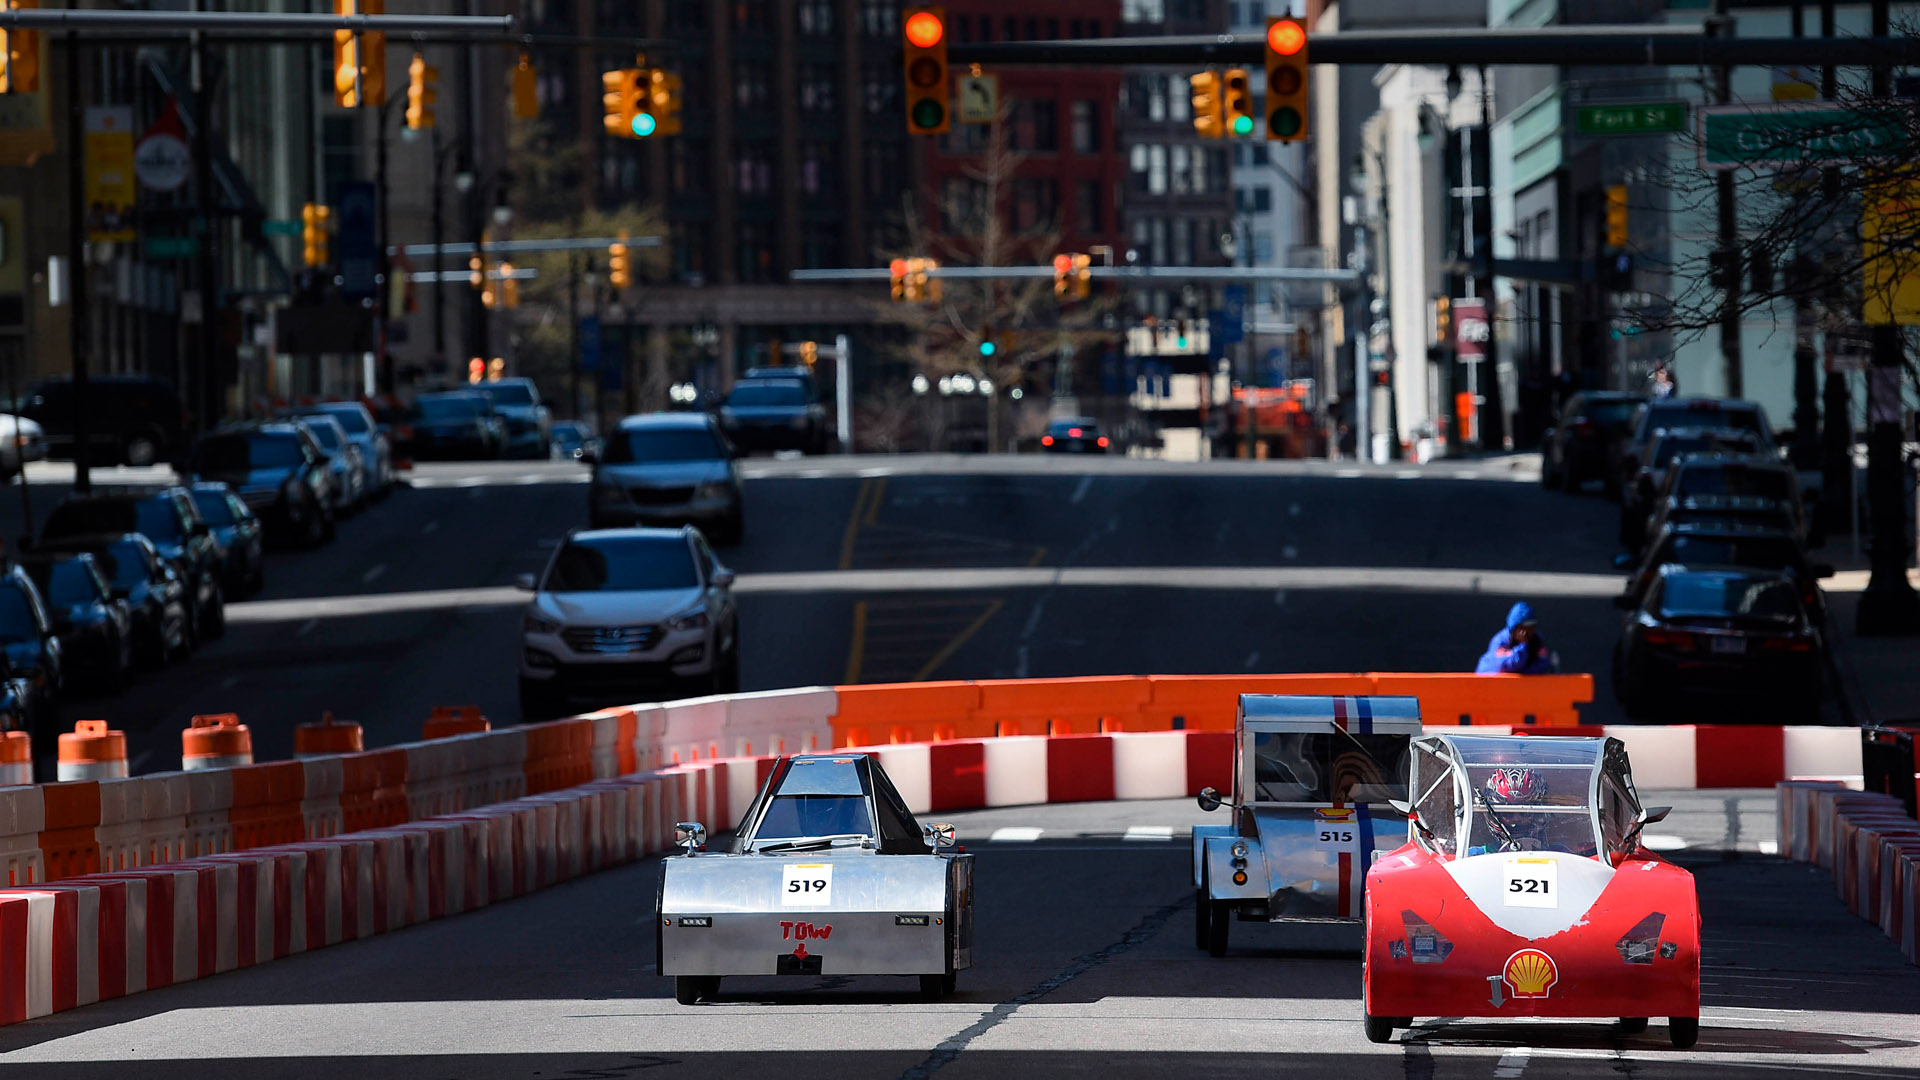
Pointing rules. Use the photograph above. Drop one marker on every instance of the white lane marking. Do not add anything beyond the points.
(1252, 659)
(1149, 832)
(1664, 842)
(1414, 474)
(1468, 475)
(1014, 834)
(429, 527)
(1348, 474)
(306, 628)
(531, 478)
(1080, 490)
(874, 472)
(470, 481)
(1512, 1063)
(373, 573)
(1769, 847)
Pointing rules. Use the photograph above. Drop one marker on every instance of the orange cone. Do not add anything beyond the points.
(329, 736)
(218, 741)
(92, 752)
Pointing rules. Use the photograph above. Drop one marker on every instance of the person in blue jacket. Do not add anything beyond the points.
(1519, 648)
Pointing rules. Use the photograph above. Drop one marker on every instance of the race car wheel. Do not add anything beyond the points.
(692, 989)
(1380, 1028)
(1219, 920)
(1202, 908)
(1632, 1025)
(1683, 1030)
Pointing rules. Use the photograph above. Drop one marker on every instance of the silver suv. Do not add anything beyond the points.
(619, 614)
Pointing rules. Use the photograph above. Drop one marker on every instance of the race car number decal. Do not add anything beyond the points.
(806, 884)
(1336, 827)
(1532, 883)
(1337, 835)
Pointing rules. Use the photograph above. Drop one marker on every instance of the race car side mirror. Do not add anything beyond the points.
(1651, 814)
(691, 835)
(938, 835)
(1209, 799)
(1406, 808)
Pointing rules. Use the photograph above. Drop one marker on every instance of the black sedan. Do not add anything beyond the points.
(32, 649)
(240, 533)
(169, 519)
(1585, 438)
(1729, 631)
(94, 626)
(278, 471)
(1719, 543)
(154, 593)
(1074, 435)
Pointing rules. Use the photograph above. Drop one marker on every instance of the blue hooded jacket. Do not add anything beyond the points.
(1531, 658)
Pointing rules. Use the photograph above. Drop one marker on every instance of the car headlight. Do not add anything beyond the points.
(716, 489)
(534, 624)
(690, 619)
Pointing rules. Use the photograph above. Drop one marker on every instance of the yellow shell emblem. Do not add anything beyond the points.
(1530, 973)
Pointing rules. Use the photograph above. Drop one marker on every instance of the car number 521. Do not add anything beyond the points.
(1532, 883)
(806, 885)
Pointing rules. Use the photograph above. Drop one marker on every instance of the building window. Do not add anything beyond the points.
(1076, 28)
(1183, 242)
(1143, 11)
(1086, 210)
(753, 15)
(820, 246)
(1086, 138)
(1179, 95)
(687, 164)
(1157, 169)
(1157, 240)
(1215, 176)
(1262, 200)
(1034, 126)
(816, 168)
(879, 18)
(753, 169)
(1258, 153)
(880, 86)
(816, 88)
(750, 90)
(1183, 162)
(1035, 204)
(1263, 248)
(816, 16)
(756, 251)
(881, 163)
(1156, 97)
(964, 139)
(961, 205)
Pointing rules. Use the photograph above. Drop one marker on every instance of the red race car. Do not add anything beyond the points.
(1524, 890)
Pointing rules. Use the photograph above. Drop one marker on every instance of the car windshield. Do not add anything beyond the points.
(16, 615)
(768, 392)
(213, 507)
(1529, 801)
(64, 583)
(509, 393)
(1300, 766)
(1765, 552)
(242, 453)
(1704, 413)
(449, 408)
(1735, 480)
(326, 435)
(663, 444)
(353, 420)
(1672, 446)
(1610, 413)
(622, 564)
(1728, 596)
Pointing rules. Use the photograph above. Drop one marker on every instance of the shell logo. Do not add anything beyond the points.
(1530, 973)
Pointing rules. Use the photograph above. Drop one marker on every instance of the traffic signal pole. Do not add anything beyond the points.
(81, 327)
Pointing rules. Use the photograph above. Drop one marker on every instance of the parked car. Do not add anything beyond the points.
(1585, 438)
(21, 441)
(393, 419)
(95, 627)
(240, 533)
(1730, 631)
(349, 469)
(279, 472)
(1749, 489)
(1074, 435)
(668, 469)
(775, 414)
(573, 440)
(155, 596)
(1710, 544)
(376, 452)
(168, 518)
(457, 424)
(32, 647)
(620, 612)
(1665, 414)
(1637, 496)
(529, 423)
(131, 420)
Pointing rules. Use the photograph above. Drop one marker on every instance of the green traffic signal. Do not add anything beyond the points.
(1284, 123)
(928, 114)
(644, 124)
(1243, 125)
(988, 348)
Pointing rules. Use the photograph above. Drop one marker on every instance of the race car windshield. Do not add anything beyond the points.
(802, 816)
(1552, 813)
(1299, 766)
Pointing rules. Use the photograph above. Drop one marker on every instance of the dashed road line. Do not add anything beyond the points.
(1014, 834)
(1149, 832)
(373, 573)
(1080, 490)
(1512, 1063)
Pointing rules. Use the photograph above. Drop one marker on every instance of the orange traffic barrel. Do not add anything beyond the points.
(454, 720)
(218, 741)
(328, 736)
(16, 758)
(92, 752)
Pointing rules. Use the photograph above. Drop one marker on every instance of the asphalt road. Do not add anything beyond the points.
(880, 569)
(1085, 966)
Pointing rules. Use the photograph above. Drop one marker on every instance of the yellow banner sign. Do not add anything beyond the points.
(110, 186)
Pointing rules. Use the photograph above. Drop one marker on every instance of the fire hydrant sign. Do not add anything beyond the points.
(806, 884)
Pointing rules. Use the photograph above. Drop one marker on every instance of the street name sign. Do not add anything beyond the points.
(1632, 118)
(1794, 133)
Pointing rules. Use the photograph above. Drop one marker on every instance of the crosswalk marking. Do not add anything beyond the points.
(1149, 832)
(1014, 834)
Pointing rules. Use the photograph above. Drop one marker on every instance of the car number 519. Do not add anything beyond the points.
(806, 885)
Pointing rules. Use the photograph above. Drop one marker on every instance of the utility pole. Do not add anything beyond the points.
(1450, 165)
(1889, 605)
(1721, 24)
(1836, 455)
(1801, 274)
(383, 272)
(80, 328)
(1492, 434)
(439, 256)
(206, 382)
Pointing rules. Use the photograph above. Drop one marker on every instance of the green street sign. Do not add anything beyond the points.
(280, 227)
(172, 247)
(1635, 118)
(1794, 134)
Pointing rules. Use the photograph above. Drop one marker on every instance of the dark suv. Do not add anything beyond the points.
(131, 420)
(32, 649)
(278, 471)
(169, 519)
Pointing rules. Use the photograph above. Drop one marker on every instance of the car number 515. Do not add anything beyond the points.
(806, 885)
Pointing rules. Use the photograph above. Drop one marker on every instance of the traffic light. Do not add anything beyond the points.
(1616, 215)
(1286, 80)
(622, 101)
(359, 60)
(1082, 276)
(810, 353)
(987, 347)
(509, 287)
(1442, 319)
(923, 286)
(1616, 272)
(476, 271)
(313, 234)
(619, 266)
(926, 61)
(663, 101)
(420, 93)
(1062, 275)
(526, 89)
(1239, 103)
(19, 53)
(496, 367)
(1209, 111)
(1072, 276)
(476, 370)
(897, 270)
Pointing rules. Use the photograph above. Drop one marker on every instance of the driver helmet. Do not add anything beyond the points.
(1516, 784)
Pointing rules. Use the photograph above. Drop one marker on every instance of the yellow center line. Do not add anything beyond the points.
(958, 640)
(853, 524)
(873, 503)
(1038, 554)
(856, 649)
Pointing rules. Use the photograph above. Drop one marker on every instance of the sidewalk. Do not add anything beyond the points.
(1879, 677)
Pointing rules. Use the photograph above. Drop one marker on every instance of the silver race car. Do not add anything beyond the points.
(1312, 780)
(828, 874)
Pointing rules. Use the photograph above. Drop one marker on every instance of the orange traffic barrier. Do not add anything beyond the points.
(326, 736)
(454, 720)
(70, 840)
(1519, 700)
(16, 758)
(1063, 706)
(1210, 702)
(215, 742)
(932, 710)
(92, 751)
(266, 804)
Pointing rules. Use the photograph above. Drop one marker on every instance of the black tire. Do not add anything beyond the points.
(693, 989)
(1202, 921)
(1219, 922)
(1683, 1030)
(935, 987)
(1632, 1025)
(1549, 479)
(1379, 1028)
